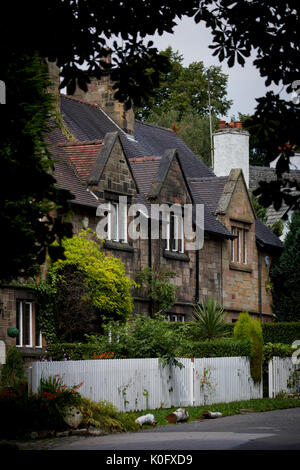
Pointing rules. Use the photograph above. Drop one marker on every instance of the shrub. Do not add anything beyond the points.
(142, 337)
(22, 412)
(160, 291)
(13, 372)
(210, 320)
(87, 289)
(246, 328)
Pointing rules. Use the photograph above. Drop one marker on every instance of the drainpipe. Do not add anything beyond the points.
(221, 274)
(149, 259)
(197, 277)
(259, 285)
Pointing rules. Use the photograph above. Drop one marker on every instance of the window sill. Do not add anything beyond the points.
(118, 246)
(176, 255)
(31, 351)
(240, 267)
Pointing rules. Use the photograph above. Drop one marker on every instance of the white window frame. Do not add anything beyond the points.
(239, 244)
(178, 234)
(115, 232)
(245, 246)
(21, 321)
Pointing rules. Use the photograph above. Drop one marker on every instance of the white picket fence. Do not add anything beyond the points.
(140, 384)
(280, 374)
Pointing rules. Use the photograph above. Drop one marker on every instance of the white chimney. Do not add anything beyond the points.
(231, 149)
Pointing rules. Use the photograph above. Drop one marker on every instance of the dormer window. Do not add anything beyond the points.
(175, 236)
(117, 222)
(239, 245)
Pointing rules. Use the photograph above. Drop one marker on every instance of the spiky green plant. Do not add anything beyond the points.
(210, 317)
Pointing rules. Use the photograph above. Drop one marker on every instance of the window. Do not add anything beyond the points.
(239, 245)
(175, 236)
(117, 222)
(174, 317)
(29, 331)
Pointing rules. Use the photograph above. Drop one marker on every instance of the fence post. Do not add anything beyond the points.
(270, 378)
(192, 382)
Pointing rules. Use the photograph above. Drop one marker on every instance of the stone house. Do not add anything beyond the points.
(104, 155)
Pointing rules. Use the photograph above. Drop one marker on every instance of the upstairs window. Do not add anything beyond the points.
(117, 223)
(239, 245)
(175, 236)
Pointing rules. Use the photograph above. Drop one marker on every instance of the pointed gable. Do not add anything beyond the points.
(169, 182)
(111, 170)
(235, 200)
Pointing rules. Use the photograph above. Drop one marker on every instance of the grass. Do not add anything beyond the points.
(227, 409)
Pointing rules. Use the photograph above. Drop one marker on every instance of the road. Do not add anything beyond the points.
(272, 430)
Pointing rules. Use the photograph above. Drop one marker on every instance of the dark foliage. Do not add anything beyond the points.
(75, 313)
(28, 196)
(285, 275)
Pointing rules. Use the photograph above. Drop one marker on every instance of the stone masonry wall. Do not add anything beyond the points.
(241, 281)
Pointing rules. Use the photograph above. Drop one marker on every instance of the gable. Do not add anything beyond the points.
(111, 171)
(235, 200)
(169, 184)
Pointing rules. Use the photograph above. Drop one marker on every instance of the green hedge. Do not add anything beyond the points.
(273, 332)
(216, 348)
(281, 332)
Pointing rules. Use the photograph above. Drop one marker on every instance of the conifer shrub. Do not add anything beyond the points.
(248, 328)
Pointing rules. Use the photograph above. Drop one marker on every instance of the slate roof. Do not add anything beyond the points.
(209, 190)
(265, 236)
(145, 170)
(155, 140)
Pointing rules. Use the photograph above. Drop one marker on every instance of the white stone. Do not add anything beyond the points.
(73, 417)
(146, 419)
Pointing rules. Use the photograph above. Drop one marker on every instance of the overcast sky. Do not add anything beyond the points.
(244, 83)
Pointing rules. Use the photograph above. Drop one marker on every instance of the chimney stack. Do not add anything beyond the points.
(231, 149)
(100, 92)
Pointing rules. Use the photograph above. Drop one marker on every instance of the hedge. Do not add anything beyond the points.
(216, 348)
(273, 332)
(281, 332)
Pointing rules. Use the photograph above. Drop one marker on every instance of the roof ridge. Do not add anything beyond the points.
(154, 125)
(207, 178)
(144, 159)
(82, 142)
(80, 100)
